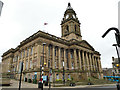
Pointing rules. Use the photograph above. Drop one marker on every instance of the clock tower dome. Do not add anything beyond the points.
(70, 25)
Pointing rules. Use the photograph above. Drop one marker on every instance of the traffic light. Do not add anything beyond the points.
(117, 35)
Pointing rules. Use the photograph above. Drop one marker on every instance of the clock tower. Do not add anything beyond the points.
(70, 25)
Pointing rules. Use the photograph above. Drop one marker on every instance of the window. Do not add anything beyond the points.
(72, 64)
(55, 51)
(35, 61)
(49, 49)
(57, 76)
(18, 57)
(13, 59)
(24, 54)
(69, 76)
(31, 50)
(21, 55)
(49, 64)
(19, 66)
(30, 63)
(71, 54)
(27, 51)
(66, 53)
(67, 28)
(55, 64)
(75, 28)
(26, 64)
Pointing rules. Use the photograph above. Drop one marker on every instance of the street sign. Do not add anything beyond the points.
(35, 73)
(44, 78)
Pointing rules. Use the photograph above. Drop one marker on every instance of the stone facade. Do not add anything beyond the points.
(79, 57)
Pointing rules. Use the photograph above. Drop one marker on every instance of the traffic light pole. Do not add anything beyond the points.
(117, 52)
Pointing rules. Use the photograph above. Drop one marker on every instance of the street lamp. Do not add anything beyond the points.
(117, 35)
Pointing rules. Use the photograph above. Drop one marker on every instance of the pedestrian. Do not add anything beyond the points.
(118, 85)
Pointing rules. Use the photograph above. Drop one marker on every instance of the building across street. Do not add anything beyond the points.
(59, 58)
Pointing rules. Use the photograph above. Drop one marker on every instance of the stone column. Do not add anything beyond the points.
(33, 56)
(69, 59)
(28, 59)
(90, 62)
(83, 59)
(53, 57)
(25, 59)
(100, 68)
(47, 56)
(65, 62)
(75, 59)
(79, 59)
(59, 58)
(19, 62)
(38, 55)
(97, 66)
(93, 62)
(87, 61)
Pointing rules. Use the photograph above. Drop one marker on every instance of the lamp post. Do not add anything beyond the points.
(63, 74)
(117, 35)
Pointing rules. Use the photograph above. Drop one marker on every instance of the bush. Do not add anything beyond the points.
(68, 79)
(57, 80)
(34, 81)
(29, 80)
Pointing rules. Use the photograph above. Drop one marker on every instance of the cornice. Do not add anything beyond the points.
(49, 37)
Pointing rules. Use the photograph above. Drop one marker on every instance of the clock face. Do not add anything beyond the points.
(67, 16)
(73, 16)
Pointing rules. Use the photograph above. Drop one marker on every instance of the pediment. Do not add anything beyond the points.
(85, 44)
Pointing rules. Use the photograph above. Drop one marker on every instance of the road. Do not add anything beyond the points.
(30, 86)
(112, 87)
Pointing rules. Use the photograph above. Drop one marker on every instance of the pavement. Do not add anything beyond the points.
(15, 84)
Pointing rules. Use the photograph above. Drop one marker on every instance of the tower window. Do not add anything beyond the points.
(75, 28)
(67, 28)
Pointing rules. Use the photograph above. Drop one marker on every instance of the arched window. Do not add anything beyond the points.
(75, 28)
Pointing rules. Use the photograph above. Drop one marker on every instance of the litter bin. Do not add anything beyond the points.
(40, 85)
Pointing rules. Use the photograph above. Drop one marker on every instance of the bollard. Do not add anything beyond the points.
(118, 85)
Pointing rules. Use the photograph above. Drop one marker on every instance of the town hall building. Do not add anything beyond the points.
(68, 54)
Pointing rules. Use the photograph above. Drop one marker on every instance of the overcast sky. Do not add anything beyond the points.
(22, 18)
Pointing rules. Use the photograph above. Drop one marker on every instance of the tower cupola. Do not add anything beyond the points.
(70, 25)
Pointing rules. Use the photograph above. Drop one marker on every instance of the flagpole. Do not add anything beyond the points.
(44, 27)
